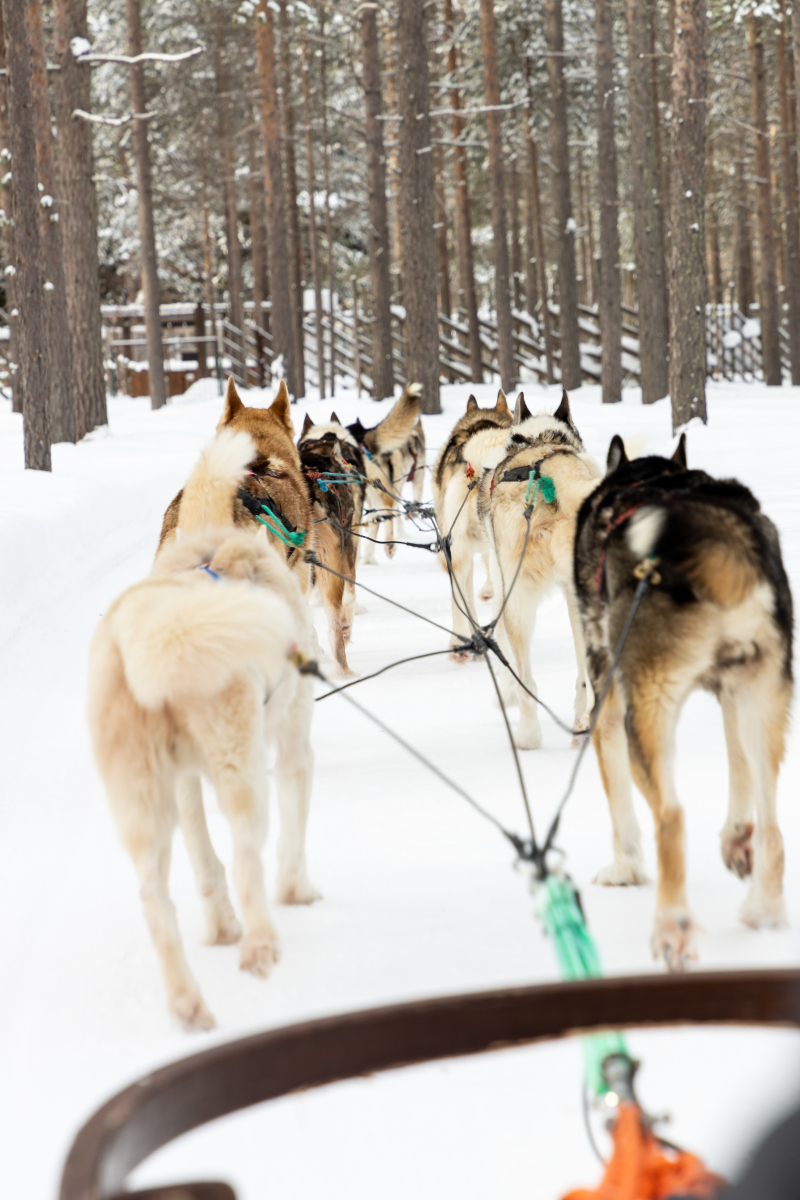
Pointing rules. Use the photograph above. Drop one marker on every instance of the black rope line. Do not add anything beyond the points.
(363, 678)
(432, 546)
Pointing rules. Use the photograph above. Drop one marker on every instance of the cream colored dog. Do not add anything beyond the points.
(191, 672)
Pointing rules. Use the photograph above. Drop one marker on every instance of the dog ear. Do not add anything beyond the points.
(472, 404)
(502, 403)
(280, 406)
(563, 413)
(521, 410)
(232, 403)
(616, 454)
(261, 534)
(334, 419)
(680, 452)
(307, 424)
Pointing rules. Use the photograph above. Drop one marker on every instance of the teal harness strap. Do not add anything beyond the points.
(291, 539)
(539, 483)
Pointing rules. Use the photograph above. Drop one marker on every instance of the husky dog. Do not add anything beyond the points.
(394, 451)
(478, 432)
(273, 492)
(717, 615)
(541, 467)
(333, 514)
(188, 670)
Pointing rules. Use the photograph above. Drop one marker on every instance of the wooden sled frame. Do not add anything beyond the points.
(188, 1093)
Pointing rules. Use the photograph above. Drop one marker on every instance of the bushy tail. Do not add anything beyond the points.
(397, 426)
(180, 641)
(208, 496)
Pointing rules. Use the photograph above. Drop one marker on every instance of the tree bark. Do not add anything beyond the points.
(223, 86)
(382, 365)
(789, 164)
(767, 278)
(535, 202)
(14, 380)
(200, 345)
(278, 251)
(326, 173)
(502, 280)
(312, 220)
(649, 247)
(516, 243)
(29, 292)
(59, 346)
(147, 231)
(687, 290)
(292, 211)
(462, 222)
(562, 200)
(610, 299)
(390, 58)
(256, 198)
(744, 252)
(440, 212)
(416, 206)
(78, 200)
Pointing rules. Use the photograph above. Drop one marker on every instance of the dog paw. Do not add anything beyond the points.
(222, 926)
(188, 1008)
(622, 872)
(528, 738)
(260, 952)
(737, 849)
(459, 656)
(297, 892)
(391, 550)
(673, 940)
(764, 912)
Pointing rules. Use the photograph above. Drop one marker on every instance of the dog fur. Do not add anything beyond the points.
(191, 675)
(476, 433)
(718, 616)
(552, 442)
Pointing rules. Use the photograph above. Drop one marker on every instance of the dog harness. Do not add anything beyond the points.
(274, 520)
(207, 568)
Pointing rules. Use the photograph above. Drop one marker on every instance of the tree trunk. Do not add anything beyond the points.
(29, 291)
(610, 299)
(14, 380)
(562, 200)
(256, 198)
(147, 232)
(744, 252)
(200, 345)
(392, 107)
(536, 219)
(416, 206)
(494, 126)
(61, 416)
(208, 273)
(326, 164)
(767, 280)
(223, 85)
(312, 221)
(687, 290)
(382, 366)
(649, 247)
(78, 200)
(516, 241)
(278, 252)
(440, 212)
(292, 211)
(462, 222)
(789, 164)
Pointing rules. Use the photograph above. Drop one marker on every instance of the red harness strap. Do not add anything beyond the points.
(615, 524)
(470, 471)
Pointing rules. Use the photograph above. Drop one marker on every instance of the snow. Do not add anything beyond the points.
(420, 895)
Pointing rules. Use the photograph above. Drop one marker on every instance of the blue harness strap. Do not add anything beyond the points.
(205, 567)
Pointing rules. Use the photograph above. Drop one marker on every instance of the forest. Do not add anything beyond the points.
(453, 190)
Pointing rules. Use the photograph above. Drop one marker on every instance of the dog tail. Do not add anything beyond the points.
(711, 550)
(180, 642)
(398, 425)
(208, 496)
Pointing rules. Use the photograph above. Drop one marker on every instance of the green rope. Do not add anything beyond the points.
(540, 483)
(291, 539)
(576, 952)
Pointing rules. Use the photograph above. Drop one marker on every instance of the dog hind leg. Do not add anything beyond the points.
(583, 696)
(487, 591)
(222, 927)
(519, 618)
(736, 836)
(294, 770)
(611, 747)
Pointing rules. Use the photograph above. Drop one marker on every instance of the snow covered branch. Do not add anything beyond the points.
(131, 60)
(98, 120)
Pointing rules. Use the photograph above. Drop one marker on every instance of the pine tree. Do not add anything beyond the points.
(382, 365)
(767, 278)
(610, 289)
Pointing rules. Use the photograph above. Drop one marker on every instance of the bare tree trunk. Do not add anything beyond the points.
(584, 235)
(491, 86)
(278, 253)
(256, 198)
(462, 222)
(147, 232)
(326, 163)
(223, 85)
(536, 219)
(61, 415)
(416, 206)
(14, 381)
(687, 290)
(516, 243)
(29, 292)
(562, 200)
(382, 365)
(767, 278)
(646, 221)
(200, 345)
(312, 221)
(208, 273)
(78, 200)
(744, 253)
(610, 300)
(293, 212)
(390, 58)
(440, 212)
(789, 163)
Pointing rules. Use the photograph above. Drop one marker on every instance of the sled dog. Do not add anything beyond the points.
(478, 432)
(395, 453)
(332, 514)
(541, 469)
(717, 615)
(273, 492)
(191, 672)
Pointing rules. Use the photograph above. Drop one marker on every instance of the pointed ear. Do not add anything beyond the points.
(261, 534)
(307, 424)
(334, 419)
(280, 406)
(472, 404)
(232, 403)
(680, 452)
(502, 403)
(521, 410)
(563, 413)
(616, 454)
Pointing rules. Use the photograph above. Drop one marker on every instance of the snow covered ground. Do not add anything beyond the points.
(420, 898)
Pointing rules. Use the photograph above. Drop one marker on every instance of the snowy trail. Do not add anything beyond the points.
(419, 897)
